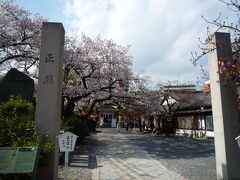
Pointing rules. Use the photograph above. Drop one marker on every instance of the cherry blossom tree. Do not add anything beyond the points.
(19, 37)
(97, 70)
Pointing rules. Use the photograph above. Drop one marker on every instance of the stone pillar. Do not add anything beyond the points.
(225, 112)
(49, 91)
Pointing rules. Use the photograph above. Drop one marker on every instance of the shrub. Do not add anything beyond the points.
(76, 125)
(17, 127)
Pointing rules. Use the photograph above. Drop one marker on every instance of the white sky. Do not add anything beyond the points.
(162, 33)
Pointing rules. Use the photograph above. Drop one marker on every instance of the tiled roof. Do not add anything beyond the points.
(190, 100)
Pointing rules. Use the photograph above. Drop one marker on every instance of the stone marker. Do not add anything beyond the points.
(49, 92)
(225, 112)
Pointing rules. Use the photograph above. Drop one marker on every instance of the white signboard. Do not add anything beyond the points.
(67, 141)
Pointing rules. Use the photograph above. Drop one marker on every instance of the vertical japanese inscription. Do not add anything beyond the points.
(48, 79)
(68, 142)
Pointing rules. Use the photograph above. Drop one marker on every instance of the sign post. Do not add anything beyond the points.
(67, 143)
(66, 165)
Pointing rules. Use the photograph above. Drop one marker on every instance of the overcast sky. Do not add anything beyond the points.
(162, 33)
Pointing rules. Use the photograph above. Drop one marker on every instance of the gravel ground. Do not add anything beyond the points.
(75, 173)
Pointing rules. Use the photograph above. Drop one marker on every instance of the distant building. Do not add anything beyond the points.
(194, 118)
(107, 113)
(179, 87)
(191, 111)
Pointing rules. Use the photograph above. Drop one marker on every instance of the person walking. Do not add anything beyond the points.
(143, 126)
(101, 122)
(139, 124)
(131, 124)
(127, 125)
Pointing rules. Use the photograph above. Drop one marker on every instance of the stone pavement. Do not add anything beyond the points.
(119, 159)
(110, 155)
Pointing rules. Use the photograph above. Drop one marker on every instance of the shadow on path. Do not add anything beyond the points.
(157, 146)
(175, 147)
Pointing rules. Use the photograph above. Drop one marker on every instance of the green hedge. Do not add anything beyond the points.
(17, 127)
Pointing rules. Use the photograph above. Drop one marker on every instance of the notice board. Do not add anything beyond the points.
(18, 159)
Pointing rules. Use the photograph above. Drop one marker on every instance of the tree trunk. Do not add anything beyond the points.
(69, 108)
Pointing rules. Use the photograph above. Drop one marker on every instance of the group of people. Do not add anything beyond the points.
(129, 124)
(150, 125)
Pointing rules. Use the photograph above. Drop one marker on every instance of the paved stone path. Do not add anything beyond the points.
(119, 158)
(110, 155)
